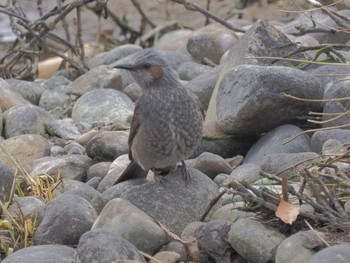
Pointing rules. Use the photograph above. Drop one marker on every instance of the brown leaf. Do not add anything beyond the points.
(287, 212)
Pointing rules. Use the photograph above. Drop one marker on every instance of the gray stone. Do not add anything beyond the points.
(173, 40)
(177, 247)
(203, 85)
(29, 206)
(123, 218)
(25, 119)
(102, 105)
(42, 254)
(113, 55)
(74, 148)
(248, 172)
(211, 164)
(100, 245)
(231, 212)
(174, 201)
(277, 162)
(273, 142)
(64, 128)
(87, 192)
(94, 182)
(328, 74)
(68, 166)
(254, 241)
(102, 77)
(334, 254)
(175, 59)
(133, 90)
(1, 126)
(99, 169)
(340, 89)
(262, 39)
(248, 94)
(189, 70)
(211, 42)
(56, 150)
(320, 137)
(190, 231)
(31, 91)
(24, 149)
(334, 147)
(52, 99)
(323, 21)
(9, 97)
(108, 145)
(64, 220)
(6, 182)
(298, 247)
(212, 241)
(56, 82)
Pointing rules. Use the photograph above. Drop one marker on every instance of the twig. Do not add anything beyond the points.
(211, 205)
(316, 233)
(332, 119)
(192, 7)
(80, 44)
(300, 60)
(143, 15)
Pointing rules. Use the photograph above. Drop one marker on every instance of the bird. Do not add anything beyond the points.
(166, 127)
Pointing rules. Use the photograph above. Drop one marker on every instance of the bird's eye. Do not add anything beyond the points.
(147, 65)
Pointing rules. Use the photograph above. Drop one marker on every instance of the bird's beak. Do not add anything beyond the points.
(124, 66)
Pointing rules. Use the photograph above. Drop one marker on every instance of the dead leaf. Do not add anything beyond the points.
(287, 212)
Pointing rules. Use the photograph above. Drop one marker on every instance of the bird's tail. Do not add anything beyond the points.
(133, 171)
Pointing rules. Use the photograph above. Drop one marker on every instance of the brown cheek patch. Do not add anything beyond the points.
(156, 72)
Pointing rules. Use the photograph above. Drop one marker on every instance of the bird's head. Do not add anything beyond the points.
(146, 66)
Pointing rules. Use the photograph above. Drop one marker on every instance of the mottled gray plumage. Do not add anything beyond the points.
(167, 123)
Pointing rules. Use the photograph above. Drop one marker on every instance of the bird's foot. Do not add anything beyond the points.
(159, 177)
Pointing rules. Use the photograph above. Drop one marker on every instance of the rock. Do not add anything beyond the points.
(229, 212)
(63, 220)
(298, 247)
(9, 97)
(173, 40)
(333, 147)
(189, 70)
(262, 39)
(57, 82)
(67, 166)
(1, 117)
(24, 149)
(108, 145)
(322, 21)
(113, 55)
(273, 142)
(133, 90)
(334, 254)
(211, 164)
(6, 182)
(211, 42)
(320, 137)
(328, 74)
(74, 148)
(114, 171)
(53, 99)
(203, 85)
(225, 146)
(175, 202)
(87, 192)
(42, 254)
(254, 241)
(29, 206)
(123, 218)
(64, 128)
(338, 90)
(56, 150)
(249, 93)
(277, 162)
(166, 257)
(102, 77)
(99, 245)
(98, 170)
(25, 119)
(189, 233)
(248, 172)
(212, 240)
(30, 91)
(175, 59)
(178, 248)
(94, 182)
(102, 105)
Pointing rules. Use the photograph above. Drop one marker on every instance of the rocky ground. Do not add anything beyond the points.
(69, 139)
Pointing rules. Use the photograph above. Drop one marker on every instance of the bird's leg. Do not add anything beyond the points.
(185, 173)
(159, 176)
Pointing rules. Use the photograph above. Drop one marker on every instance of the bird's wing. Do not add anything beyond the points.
(135, 125)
